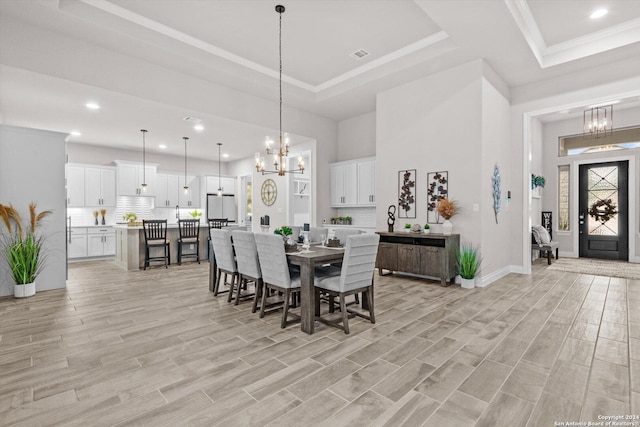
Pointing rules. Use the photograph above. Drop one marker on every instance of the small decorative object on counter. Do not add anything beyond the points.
(95, 216)
(426, 228)
(347, 220)
(391, 220)
(195, 213)
(407, 227)
(103, 212)
(131, 218)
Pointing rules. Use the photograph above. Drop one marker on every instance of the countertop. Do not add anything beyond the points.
(349, 226)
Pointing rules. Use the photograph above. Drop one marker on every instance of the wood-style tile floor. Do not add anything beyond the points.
(156, 348)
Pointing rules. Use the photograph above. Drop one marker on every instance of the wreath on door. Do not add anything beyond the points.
(603, 210)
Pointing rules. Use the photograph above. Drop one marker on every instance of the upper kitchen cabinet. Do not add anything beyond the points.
(353, 183)
(75, 186)
(100, 186)
(168, 190)
(227, 184)
(367, 182)
(131, 176)
(190, 198)
(343, 184)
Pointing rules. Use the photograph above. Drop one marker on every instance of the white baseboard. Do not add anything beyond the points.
(492, 277)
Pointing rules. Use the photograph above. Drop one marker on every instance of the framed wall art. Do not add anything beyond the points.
(407, 193)
(437, 189)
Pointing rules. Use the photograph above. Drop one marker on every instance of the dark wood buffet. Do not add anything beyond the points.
(418, 253)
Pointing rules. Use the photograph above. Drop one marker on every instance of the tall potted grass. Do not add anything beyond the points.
(468, 263)
(22, 248)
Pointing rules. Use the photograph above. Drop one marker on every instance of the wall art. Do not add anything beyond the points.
(406, 193)
(496, 183)
(437, 189)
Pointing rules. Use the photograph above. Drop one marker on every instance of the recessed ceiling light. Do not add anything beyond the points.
(92, 106)
(199, 127)
(75, 133)
(162, 146)
(599, 13)
(225, 155)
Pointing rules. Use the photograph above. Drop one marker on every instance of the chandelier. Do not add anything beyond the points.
(279, 156)
(598, 121)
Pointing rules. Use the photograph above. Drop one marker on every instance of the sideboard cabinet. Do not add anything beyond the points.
(423, 254)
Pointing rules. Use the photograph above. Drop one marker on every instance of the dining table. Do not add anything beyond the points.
(308, 260)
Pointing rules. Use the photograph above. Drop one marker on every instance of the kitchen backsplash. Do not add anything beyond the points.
(362, 217)
(141, 206)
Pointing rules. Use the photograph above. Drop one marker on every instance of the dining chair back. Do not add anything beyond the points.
(246, 252)
(295, 232)
(358, 266)
(189, 230)
(316, 234)
(343, 233)
(155, 236)
(224, 257)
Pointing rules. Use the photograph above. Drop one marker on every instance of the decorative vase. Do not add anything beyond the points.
(390, 228)
(467, 283)
(426, 231)
(103, 221)
(96, 221)
(24, 291)
(447, 227)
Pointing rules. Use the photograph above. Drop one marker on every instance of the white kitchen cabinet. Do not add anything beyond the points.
(132, 175)
(190, 199)
(167, 190)
(100, 186)
(75, 186)
(77, 242)
(228, 185)
(343, 184)
(367, 183)
(101, 241)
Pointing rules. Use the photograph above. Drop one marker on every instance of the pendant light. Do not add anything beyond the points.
(279, 158)
(186, 186)
(219, 180)
(144, 162)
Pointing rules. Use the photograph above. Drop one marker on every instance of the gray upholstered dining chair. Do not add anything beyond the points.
(225, 259)
(343, 233)
(275, 272)
(248, 265)
(316, 234)
(295, 232)
(356, 276)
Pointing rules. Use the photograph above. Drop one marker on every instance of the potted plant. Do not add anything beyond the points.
(285, 232)
(447, 208)
(426, 228)
(130, 217)
(407, 227)
(22, 247)
(537, 181)
(347, 219)
(195, 214)
(468, 263)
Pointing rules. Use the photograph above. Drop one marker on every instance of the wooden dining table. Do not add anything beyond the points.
(308, 260)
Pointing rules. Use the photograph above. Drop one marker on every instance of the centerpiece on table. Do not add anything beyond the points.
(285, 232)
(21, 246)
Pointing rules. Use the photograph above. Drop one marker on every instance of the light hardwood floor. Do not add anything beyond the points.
(156, 348)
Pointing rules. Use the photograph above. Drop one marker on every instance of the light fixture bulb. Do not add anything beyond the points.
(599, 13)
(186, 189)
(92, 105)
(144, 188)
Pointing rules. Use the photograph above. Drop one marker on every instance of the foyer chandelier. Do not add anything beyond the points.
(279, 156)
(598, 121)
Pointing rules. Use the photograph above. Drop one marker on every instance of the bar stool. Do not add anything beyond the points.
(155, 236)
(189, 235)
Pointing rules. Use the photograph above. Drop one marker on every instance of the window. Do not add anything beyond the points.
(620, 139)
(563, 197)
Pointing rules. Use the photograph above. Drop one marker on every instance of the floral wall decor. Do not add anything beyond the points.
(496, 182)
(438, 189)
(406, 193)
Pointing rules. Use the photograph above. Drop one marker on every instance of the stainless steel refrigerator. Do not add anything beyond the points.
(222, 207)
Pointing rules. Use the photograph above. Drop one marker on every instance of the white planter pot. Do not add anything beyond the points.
(24, 291)
(426, 231)
(447, 227)
(467, 283)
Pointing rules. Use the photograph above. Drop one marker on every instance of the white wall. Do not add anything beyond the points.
(357, 137)
(32, 170)
(453, 121)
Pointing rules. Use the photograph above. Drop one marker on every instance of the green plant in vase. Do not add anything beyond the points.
(195, 214)
(426, 228)
(407, 227)
(22, 247)
(468, 263)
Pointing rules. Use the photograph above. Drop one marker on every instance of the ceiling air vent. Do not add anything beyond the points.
(192, 119)
(359, 54)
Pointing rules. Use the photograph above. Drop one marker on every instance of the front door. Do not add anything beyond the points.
(603, 205)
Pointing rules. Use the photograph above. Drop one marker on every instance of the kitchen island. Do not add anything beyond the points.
(130, 245)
